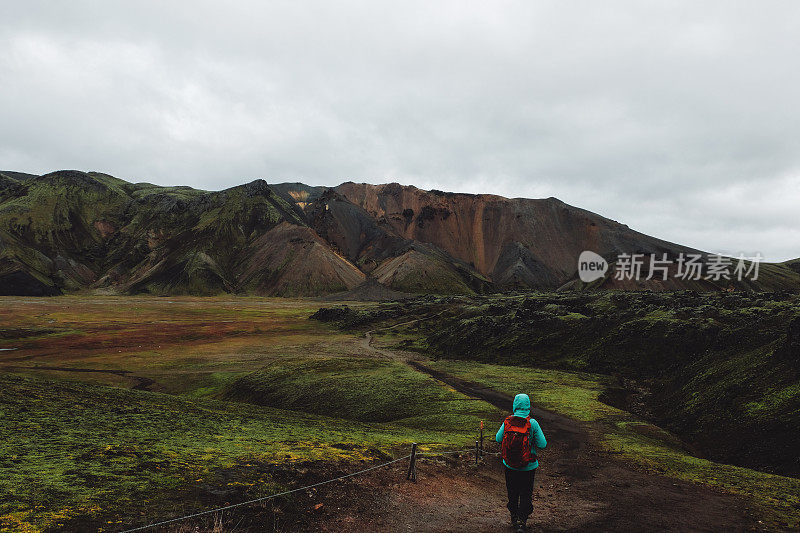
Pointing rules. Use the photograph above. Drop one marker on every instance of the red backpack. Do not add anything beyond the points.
(516, 445)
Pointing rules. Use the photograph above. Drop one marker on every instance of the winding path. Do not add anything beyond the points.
(579, 486)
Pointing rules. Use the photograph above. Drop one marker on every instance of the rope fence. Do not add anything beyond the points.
(411, 475)
(263, 498)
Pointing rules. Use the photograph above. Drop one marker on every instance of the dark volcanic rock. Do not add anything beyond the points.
(20, 283)
(789, 351)
(331, 314)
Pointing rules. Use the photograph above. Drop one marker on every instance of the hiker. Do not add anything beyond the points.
(519, 437)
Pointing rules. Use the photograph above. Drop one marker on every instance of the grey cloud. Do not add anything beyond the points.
(678, 120)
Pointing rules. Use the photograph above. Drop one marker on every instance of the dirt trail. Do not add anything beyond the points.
(366, 343)
(579, 487)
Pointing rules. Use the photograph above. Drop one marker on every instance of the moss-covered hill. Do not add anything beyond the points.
(721, 370)
(71, 231)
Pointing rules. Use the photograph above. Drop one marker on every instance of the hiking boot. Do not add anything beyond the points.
(514, 522)
(519, 526)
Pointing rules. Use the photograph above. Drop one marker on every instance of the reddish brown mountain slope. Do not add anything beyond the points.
(395, 261)
(515, 242)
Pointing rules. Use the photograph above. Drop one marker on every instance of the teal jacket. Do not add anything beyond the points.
(522, 407)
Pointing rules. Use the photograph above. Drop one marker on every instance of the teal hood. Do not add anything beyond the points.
(522, 405)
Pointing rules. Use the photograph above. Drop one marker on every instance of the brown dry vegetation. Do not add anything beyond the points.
(178, 342)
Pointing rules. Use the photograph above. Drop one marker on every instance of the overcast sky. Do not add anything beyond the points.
(680, 119)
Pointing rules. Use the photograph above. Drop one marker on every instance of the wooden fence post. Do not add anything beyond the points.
(481, 438)
(412, 465)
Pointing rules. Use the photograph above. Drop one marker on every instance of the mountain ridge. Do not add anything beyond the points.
(69, 231)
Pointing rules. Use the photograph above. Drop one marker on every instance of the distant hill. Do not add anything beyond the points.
(794, 264)
(73, 231)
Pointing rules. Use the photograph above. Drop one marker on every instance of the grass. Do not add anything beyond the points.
(71, 450)
(79, 451)
(187, 345)
(364, 390)
(572, 394)
(84, 451)
(575, 395)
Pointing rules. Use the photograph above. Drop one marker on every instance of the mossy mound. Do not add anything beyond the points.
(366, 390)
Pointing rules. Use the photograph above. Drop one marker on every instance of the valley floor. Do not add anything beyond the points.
(119, 412)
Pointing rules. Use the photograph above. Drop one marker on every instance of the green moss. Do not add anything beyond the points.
(776, 400)
(361, 389)
(140, 190)
(573, 316)
(70, 450)
(575, 395)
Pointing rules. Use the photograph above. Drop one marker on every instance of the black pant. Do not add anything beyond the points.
(520, 492)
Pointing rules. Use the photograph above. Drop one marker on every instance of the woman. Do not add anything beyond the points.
(520, 437)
